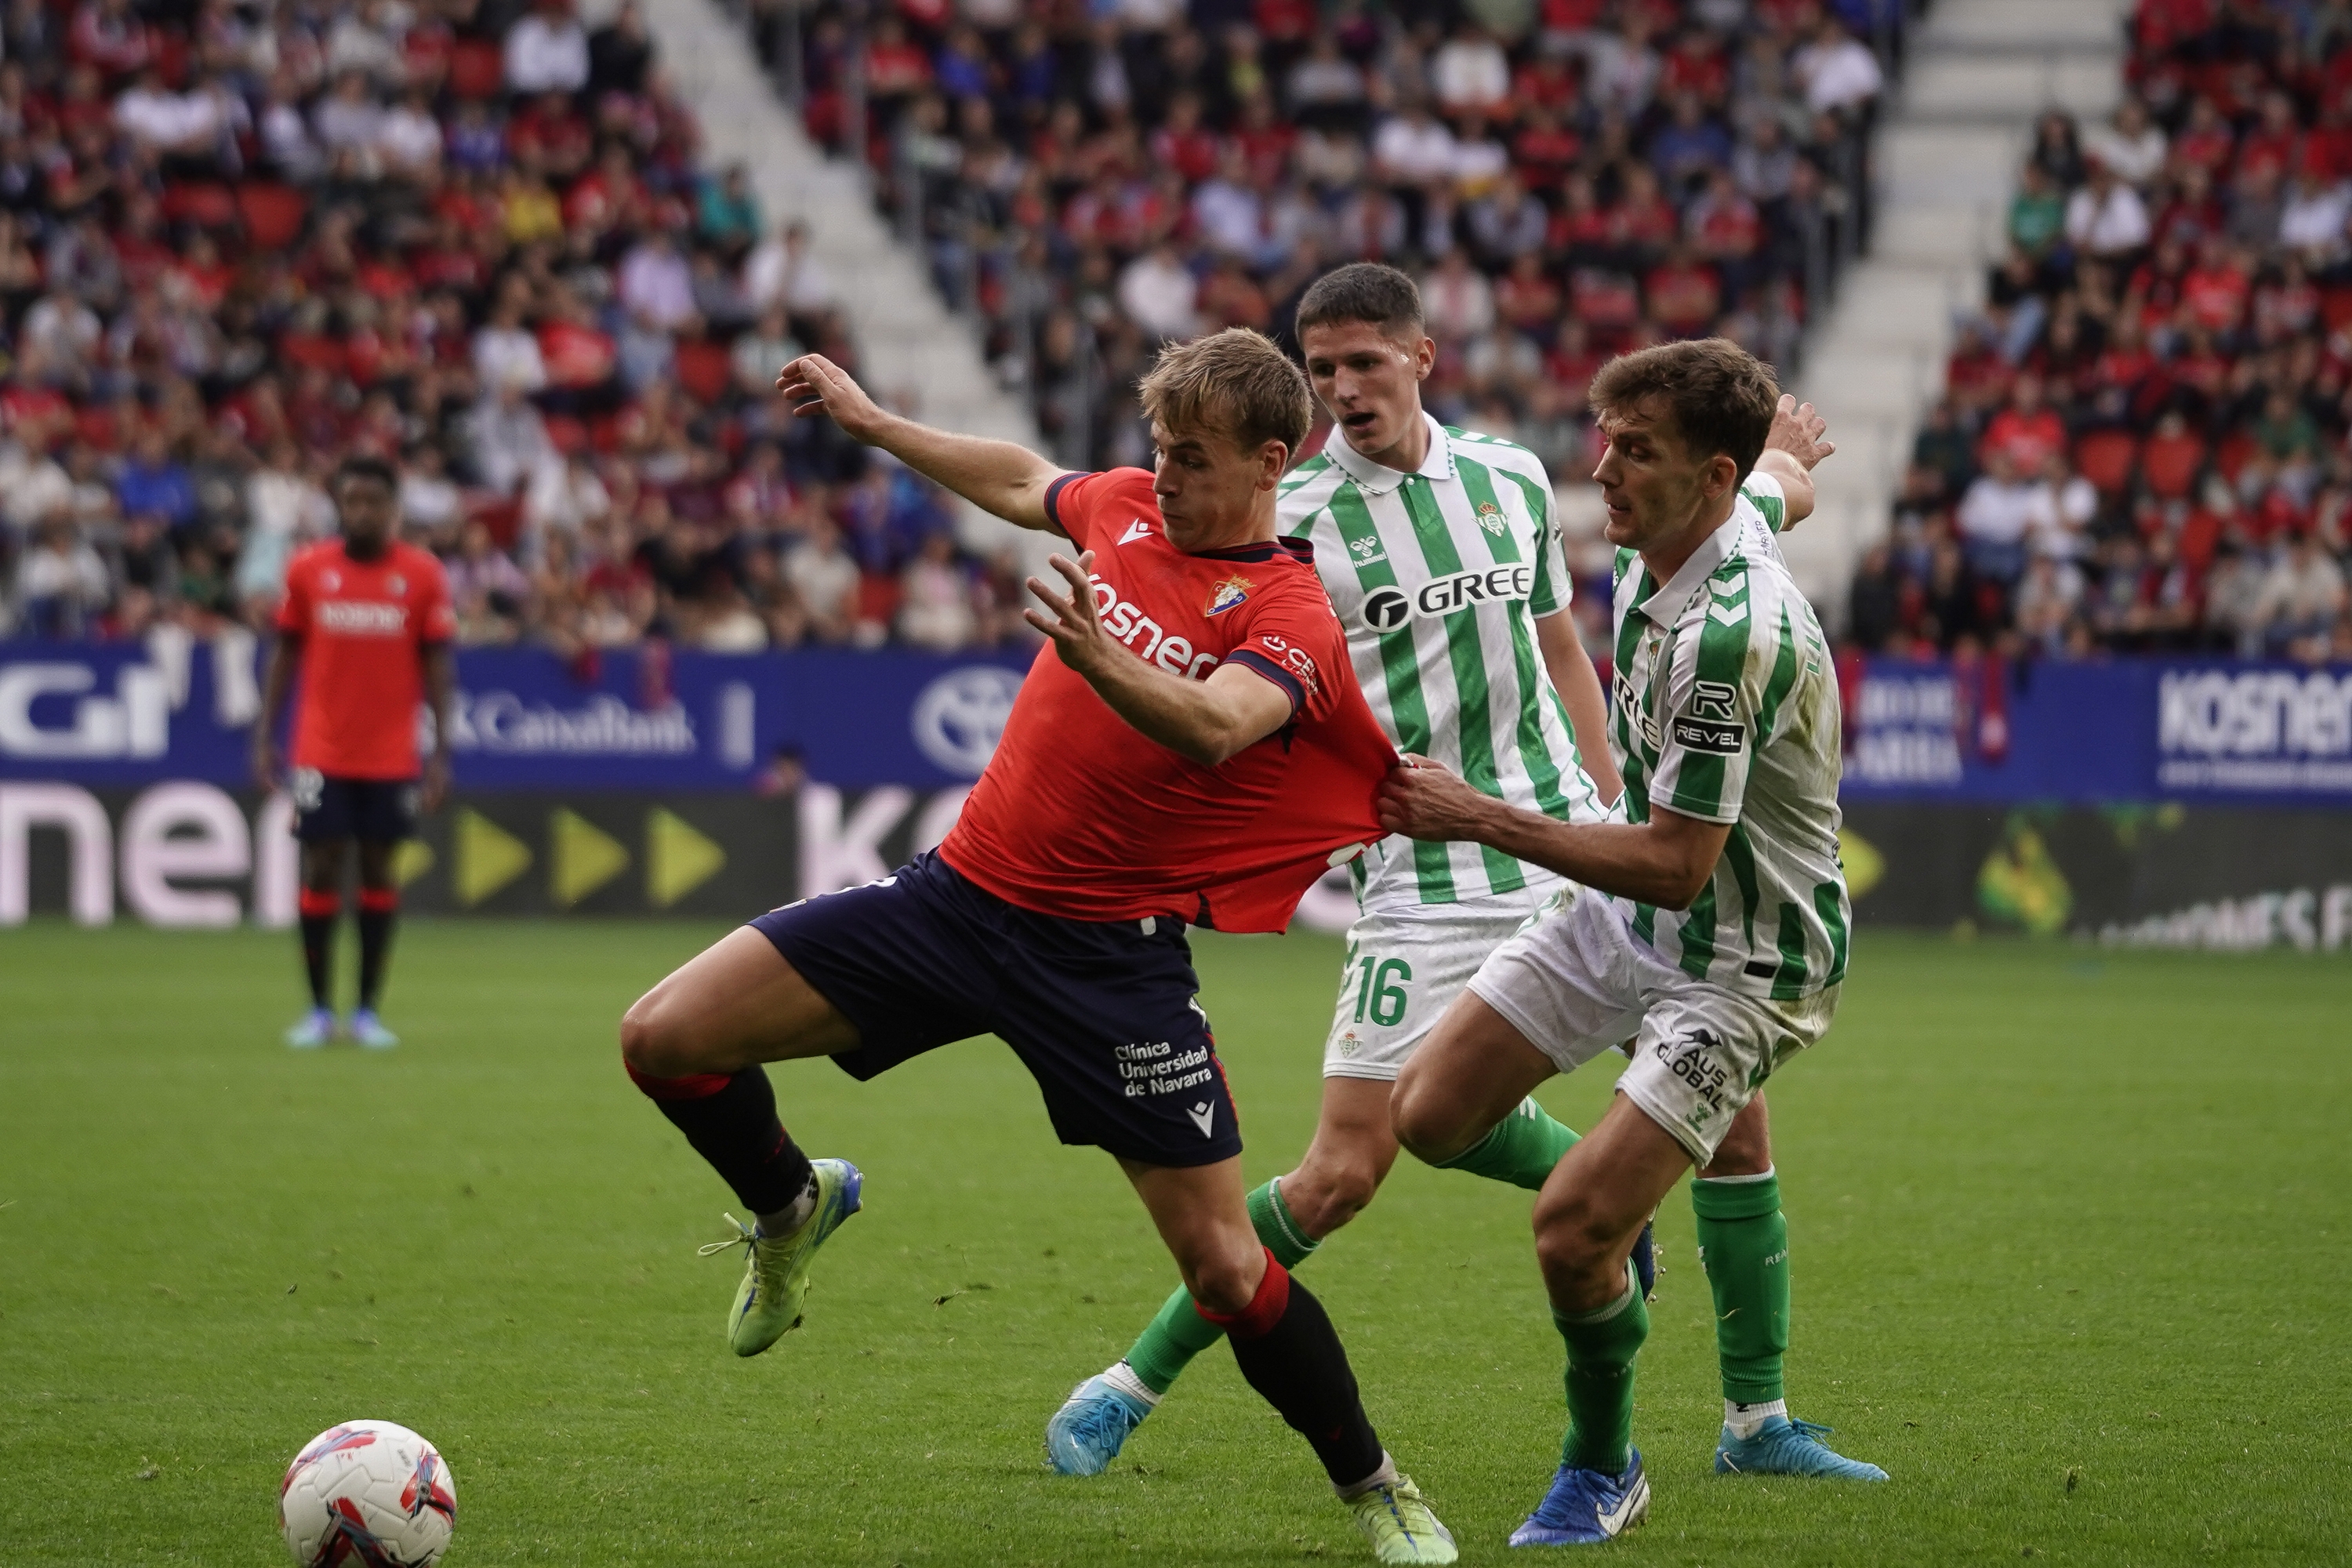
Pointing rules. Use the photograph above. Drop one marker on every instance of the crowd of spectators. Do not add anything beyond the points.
(2141, 446)
(1569, 178)
(240, 238)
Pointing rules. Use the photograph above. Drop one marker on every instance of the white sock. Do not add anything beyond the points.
(1122, 1377)
(1746, 1420)
(1386, 1475)
(785, 1221)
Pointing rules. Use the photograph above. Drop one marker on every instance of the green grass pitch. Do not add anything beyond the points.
(2070, 1259)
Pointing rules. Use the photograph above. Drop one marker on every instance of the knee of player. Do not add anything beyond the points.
(1570, 1235)
(1421, 1120)
(1225, 1282)
(651, 1043)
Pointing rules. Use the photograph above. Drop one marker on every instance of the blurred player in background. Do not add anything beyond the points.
(1441, 553)
(365, 630)
(1189, 750)
(1711, 925)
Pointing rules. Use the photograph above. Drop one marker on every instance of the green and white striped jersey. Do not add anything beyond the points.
(1727, 709)
(1439, 577)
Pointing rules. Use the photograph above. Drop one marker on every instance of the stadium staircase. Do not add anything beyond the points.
(912, 351)
(1949, 150)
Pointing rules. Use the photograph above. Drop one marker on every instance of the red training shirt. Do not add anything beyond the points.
(1080, 817)
(363, 626)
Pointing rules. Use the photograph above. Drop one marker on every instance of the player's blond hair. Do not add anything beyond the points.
(1233, 384)
(1717, 395)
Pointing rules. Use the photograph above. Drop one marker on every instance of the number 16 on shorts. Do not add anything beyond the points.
(1380, 985)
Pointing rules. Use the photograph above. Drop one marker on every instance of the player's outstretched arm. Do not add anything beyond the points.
(995, 476)
(1663, 861)
(1207, 720)
(1796, 443)
(440, 695)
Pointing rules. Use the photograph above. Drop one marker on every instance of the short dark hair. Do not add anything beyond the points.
(1717, 395)
(1362, 292)
(366, 466)
(1236, 384)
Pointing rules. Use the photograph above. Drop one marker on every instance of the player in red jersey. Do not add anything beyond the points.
(365, 625)
(1189, 748)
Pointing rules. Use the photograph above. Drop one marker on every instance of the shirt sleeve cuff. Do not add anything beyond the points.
(1053, 503)
(1250, 659)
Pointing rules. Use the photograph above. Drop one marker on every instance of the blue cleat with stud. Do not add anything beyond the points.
(1087, 1432)
(1585, 1508)
(1785, 1447)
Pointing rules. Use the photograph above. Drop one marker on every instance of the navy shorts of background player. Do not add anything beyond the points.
(1102, 1012)
(373, 810)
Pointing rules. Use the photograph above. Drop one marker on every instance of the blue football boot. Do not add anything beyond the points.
(1786, 1447)
(1585, 1508)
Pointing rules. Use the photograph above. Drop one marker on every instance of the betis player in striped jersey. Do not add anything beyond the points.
(1711, 925)
(1441, 551)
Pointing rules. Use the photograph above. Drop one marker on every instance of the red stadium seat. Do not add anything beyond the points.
(2231, 455)
(207, 205)
(2105, 458)
(476, 69)
(273, 214)
(703, 370)
(2335, 306)
(2171, 464)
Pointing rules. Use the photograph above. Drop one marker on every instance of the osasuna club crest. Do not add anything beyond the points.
(1228, 593)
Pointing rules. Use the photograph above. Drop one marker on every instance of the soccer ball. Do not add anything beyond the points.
(367, 1494)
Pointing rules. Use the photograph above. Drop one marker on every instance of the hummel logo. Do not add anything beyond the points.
(1204, 1117)
(1137, 529)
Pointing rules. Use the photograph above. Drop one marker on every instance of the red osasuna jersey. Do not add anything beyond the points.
(362, 626)
(1079, 815)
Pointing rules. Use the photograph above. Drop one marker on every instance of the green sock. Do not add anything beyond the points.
(1743, 1240)
(1169, 1343)
(1521, 1150)
(1600, 1350)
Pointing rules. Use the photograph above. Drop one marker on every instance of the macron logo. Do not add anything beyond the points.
(1137, 529)
(1204, 1117)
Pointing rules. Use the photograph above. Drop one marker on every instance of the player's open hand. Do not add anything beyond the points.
(1077, 623)
(264, 759)
(1798, 431)
(815, 386)
(435, 784)
(1421, 800)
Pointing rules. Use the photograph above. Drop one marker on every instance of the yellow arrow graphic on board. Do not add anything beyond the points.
(678, 858)
(582, 856)
(411, 860)
(1862, 862)
(487, 856)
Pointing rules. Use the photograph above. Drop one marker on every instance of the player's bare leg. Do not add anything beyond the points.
(379, 908)
(319, 905)
(1285, 1346)
(694, 1045)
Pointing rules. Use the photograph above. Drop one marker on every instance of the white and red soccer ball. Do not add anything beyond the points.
(367, 1494)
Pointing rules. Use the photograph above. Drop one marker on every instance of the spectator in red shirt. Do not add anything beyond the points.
(2027, 433)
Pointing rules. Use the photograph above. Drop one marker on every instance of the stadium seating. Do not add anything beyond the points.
(239, 242)
(2141, 445)
(1571, 179)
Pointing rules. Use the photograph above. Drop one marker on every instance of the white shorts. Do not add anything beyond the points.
(1578, 982)
(1403, 969)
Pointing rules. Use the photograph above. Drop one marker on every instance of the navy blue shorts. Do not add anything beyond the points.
(1102, 1014)
(374, 811)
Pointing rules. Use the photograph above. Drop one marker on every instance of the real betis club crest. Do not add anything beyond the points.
(1229, 592)
(1490, 518)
